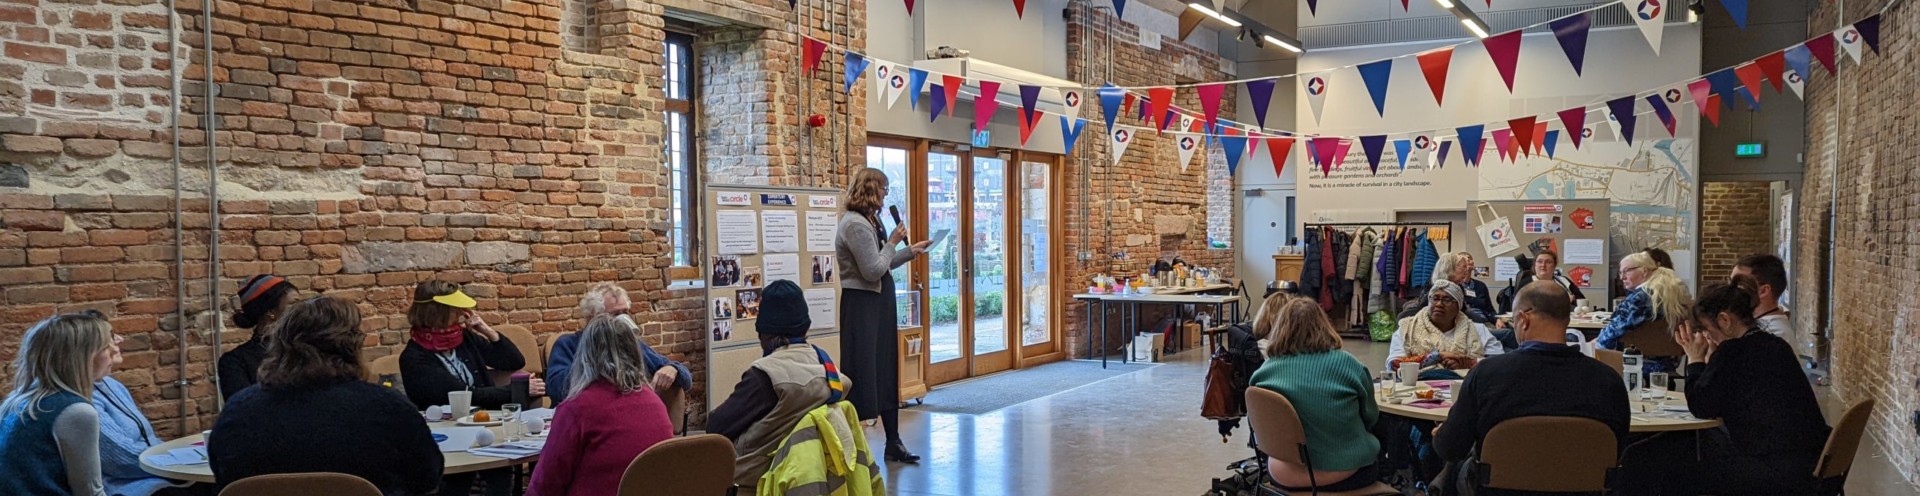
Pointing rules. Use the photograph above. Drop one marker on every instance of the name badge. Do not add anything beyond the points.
(1471, 294)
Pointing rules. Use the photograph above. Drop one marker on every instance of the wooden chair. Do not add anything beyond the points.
(304, 484)
(1653, 339)
(1613, 359)
(694, 466)
(546, 347)
(676, 401)
(1837, 459)
(529, 348)
(1278, 432)
(1548, 454)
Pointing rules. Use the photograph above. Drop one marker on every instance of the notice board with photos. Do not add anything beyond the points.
(1578, 230)
(752, 236)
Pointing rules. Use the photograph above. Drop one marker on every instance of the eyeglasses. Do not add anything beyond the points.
(1438, 300)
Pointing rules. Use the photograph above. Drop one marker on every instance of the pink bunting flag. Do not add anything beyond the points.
(1340, 149)
(1210, 101)
(1702, 91)
(952, 86)
(1503, 141)
(986, 104)
(1323, 149)
(811, 50)
(909, 7)
(1160, 99)
(1505, 50)
(1575, 121)
(1434, 65)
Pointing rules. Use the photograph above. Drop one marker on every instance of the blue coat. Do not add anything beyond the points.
(560, 366)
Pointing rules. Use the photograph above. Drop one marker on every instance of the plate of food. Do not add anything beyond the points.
(479, 419)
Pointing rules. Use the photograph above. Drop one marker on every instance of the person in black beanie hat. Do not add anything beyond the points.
(789, 380)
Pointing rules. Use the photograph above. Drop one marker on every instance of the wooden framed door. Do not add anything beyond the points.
(1037, 242)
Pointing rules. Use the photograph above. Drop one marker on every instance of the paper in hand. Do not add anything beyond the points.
(938, 236)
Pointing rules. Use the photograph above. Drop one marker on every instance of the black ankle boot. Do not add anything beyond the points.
(897, 452)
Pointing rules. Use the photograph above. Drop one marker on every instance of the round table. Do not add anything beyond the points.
(1645, 415)
(457, 462)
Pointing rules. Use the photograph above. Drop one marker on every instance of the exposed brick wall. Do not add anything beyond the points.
(1147, 207)
(1863, 141)
(364, 147)
(1735, 221)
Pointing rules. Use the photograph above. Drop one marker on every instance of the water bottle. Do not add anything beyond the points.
(522, 383)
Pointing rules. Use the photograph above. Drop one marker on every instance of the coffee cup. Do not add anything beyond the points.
(1409, 373)
(461, 402)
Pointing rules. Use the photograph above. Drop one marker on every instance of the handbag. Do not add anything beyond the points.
(1496, 235)
(1218, 404)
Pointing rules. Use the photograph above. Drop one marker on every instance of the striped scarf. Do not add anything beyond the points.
(837, 389)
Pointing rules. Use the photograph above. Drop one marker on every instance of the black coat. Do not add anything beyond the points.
(428, 380)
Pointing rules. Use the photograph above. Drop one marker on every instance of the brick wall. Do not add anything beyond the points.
(1146, 208)
(1863, 139)
(1735, 221)
(363, 147)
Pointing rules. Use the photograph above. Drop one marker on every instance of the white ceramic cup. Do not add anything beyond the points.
(462, 403)
(1409, 373)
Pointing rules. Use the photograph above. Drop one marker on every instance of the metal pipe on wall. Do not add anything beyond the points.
(179, 212)
(213, 204)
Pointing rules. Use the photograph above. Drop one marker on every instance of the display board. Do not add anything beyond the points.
(755, 235)
(1578, 230)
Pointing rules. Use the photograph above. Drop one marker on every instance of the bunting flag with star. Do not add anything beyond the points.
(1187, 143)
(1620, 110)
(810, 52)
(1402, 148)
(1260, 94)
(1122, 136)
(1572, 33)
(1316, 87)
(1575, 121)
(897, 85)
(1376, 75)
(1660, 109)
(1072, 100)
(1523, 132)
(1433, 65)
(1550, 142)
(1110, 98)
(856, 64)
(986, 104)
(952, 84)
(1797, 83)
(879, 80)
(1850, 40)
(1210, 101)
(1070, 128)
(1651, 16)
(1505, 50)
(1470, 143)
(939, 103)
(1278, 148)
(1800, 60)
(917, 80)
(1822, 49)
(1373, 145)
(1503, 143)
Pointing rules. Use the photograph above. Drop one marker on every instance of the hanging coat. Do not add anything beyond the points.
(1423, 262)
(1342, 289)
(1310, 282)
(1389, 265)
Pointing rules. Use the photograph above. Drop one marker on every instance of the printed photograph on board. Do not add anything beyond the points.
(723, 309)
(726, 271)
(722, 330)
(748, 304)
(823, 269)
(753, 278)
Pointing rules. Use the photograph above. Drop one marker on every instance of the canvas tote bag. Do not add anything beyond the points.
(1496, 234)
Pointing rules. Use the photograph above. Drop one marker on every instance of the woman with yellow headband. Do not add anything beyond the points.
(452, 349)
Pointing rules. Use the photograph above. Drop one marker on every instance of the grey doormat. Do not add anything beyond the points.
(997, 391)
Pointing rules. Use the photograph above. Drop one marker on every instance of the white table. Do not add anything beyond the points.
(1646, 415)
(456, 462)
(1129, 312)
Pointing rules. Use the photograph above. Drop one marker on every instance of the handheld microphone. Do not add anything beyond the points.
(896, 215)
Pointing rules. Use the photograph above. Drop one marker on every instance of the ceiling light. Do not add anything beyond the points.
(1445, 4)
(1216, 15)
(1475, 27)
(1283, 44)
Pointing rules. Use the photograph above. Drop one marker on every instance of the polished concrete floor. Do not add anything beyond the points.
(1136, 433)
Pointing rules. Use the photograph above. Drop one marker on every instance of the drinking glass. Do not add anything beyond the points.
(510, 415)
(1657, 382)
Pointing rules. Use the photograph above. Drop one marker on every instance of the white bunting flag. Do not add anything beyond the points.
(1186, 124)
(1651, 15)
(1074, 100)
(1799, 85)
(1433, 149)
(1612, 124)
(879, 81)
(1122, 136)
(1849, 39)
(1188, 143)
(896, 85)
(1316, 85)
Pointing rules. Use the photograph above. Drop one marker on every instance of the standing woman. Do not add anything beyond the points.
(49, 430)
(262, 298)
(869, 328)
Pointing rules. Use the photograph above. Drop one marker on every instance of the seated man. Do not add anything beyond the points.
(790, 379)
(609, 299)
(1441, 333)
(1545, 377)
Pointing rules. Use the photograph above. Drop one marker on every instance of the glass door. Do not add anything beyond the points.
(945, 330)
(1035, 279)
(987, 269)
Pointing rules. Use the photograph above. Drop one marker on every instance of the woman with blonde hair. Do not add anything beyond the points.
(611, 415)
(1654, 293)
(869, 328)
(49, 429)
(1331, 391)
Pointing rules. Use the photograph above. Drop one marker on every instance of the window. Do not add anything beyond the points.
(683, 174)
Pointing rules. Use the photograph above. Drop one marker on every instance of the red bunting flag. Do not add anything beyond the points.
(1713, 109)
(952, 86)
(811, 49)
(1434, 65)
(1159, 99)
(1126, 104)
(1540, 134)
(1020, 8)
(1822, 48)
(1523, 132)
(1575, 121)
(1505, 50)
(1279, 147)
(1750, 76)
(1773, 65)
(1026, 126)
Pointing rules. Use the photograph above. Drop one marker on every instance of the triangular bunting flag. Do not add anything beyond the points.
(1145, 103)
(1313, 155)
(1234, 145)
(1404, 7)
(1850, 41)
(897, 85)
(1253, 141)
(1026, 126)
(1572, 33)
(938, 102)
(1523, 132)
(1110, 97)
(1323, 149)
(1575, 121)
(1665, 113)
(1373, 145)
(909, 7)
(1316, 87)
(986, 104)
(1713, 110)
(1800, 60)
(1072, 101)
(1120, 9)
(1503, 143)
(1402, 148)
(1772, 66)
(1189, 20)
(1162, 101)
(1550, 142)
(1539, 138)
(1278, 148)
(1651, 16)
(1210, 101)
(1434, 66)
(1376, 75)
(1613, 125)
(879, 82)
(811, 49)
(1020, 8)
(1869, 29)
(1798, 84)
(1822, 49)
(1188, 123)
(1751, 77)
(1168, 119)
(1702, 91)
(1727, 85)
(1029, 97)
(1470, 143)
(1187, 143)
(1445, 146)
(856, 64)
(1505, 50)
(1260, 93)
(1070, 128)
(1340, 148)
(1122, 136)
(1620, 110)
(952, 84)
(1737, 10)
(917, 79)
(1313, 7)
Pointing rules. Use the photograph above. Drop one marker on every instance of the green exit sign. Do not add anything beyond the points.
(1750, 150)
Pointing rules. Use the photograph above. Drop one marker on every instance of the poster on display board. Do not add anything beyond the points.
(1543, 225)
(756, 235)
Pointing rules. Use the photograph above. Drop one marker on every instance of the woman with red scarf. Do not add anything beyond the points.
(451, 349)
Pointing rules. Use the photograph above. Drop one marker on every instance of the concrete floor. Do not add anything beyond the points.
(1136, 433)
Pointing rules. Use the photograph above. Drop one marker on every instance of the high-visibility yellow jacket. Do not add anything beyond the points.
(826, 454)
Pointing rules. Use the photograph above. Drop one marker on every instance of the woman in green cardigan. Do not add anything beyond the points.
(1330, 389)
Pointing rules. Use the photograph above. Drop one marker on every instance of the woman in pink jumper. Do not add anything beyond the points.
(611, 415)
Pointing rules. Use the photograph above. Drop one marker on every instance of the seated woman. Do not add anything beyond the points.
(790, 379)
(1332, 392)
(49, 431)
(1654, 293)
(1441, 334)
(262, 298)
(1546, 267)
(124, 434)
(1457, 267)
(312, 412)
(612, 415)
(451, 349)
(1245, 355)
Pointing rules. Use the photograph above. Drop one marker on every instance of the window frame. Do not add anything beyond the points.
(683, 234)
